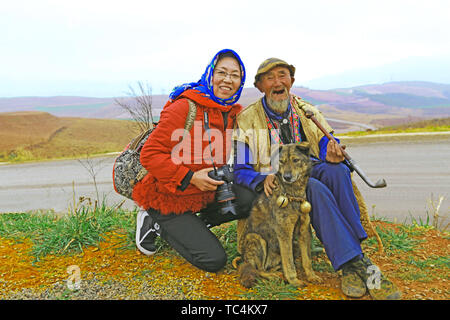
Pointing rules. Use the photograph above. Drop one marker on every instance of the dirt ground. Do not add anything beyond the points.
(416, 259)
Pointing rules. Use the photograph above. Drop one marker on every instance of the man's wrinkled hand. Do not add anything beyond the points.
(269, 184)
(334, 153)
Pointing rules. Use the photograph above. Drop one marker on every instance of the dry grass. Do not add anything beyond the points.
(27, 128)
(39, 135)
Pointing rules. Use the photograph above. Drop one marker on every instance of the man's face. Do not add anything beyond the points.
(276, 83)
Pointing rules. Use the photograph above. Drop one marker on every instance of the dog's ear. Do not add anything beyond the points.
(303, 148)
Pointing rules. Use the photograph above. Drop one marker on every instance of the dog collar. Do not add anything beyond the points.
(283, 200)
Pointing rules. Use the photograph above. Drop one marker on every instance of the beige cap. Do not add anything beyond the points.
(271, 63)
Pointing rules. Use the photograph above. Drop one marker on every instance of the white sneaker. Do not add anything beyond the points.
(146, 233)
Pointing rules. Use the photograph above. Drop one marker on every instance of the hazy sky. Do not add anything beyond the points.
(98, 48)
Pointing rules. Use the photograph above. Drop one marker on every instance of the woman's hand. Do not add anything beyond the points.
(334, 153)
(269, 184)
(201, 180)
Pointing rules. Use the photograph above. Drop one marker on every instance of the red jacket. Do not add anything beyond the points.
(168, 166)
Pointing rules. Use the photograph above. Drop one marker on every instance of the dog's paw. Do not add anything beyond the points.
(314, 278)
(297, 283)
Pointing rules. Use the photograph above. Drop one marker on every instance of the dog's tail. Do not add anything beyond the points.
(236, 261)
(248, 275)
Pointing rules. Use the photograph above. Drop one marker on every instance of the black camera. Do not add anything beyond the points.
(224, 193)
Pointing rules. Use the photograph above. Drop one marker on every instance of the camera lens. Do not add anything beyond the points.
(225, 197)
(224, 192)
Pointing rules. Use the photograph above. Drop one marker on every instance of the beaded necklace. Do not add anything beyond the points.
(295, 124)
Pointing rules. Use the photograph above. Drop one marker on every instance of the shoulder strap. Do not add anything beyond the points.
(135, 142)
(192, 113)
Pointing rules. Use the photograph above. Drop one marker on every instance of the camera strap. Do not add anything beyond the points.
(207, 129)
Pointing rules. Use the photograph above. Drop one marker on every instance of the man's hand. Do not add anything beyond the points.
(334, 153)
(269, 184)
(201, 180)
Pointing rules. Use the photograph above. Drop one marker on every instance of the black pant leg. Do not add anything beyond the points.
(245, 198)
(192, 239)
(214, 216)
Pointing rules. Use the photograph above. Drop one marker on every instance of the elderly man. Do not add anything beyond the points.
(279, 118)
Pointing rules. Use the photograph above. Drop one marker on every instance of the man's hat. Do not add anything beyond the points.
(271, 63)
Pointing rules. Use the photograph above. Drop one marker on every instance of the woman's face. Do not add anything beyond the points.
(226, 78)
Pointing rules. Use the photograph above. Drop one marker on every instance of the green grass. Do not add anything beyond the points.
(391, 131)
(25, 225)
(418, 226)
(83, 227)
(271, 290)
(322, 264)
(431, 262)
(423, 270)
(396, 241)
(227, 236)
(86, 225)
(433, 125)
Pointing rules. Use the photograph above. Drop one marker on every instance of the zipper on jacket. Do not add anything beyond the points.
(225, 119)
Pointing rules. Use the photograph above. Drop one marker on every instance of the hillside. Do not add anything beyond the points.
(376, 105)
(27, 128)
(32, 135)
(419, 98)
(40, 135)
(432, 123)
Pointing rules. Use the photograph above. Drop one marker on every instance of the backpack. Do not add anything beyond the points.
(127, 169)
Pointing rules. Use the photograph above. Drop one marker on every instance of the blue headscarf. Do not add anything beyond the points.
(205, 86)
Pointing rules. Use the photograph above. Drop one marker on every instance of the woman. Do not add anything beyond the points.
(177, 185)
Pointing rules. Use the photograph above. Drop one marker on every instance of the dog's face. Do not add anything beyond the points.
(294, 162)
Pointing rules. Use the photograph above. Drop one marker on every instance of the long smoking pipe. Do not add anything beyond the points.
(352, 164)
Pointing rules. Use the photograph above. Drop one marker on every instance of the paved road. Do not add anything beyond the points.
(415, 168)
(362, 126)
(55, 184)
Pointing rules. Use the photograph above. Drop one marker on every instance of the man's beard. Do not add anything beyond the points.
(278, 106)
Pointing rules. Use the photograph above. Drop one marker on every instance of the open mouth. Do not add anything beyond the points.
(228, 89)
(278, 93)
(225, 91)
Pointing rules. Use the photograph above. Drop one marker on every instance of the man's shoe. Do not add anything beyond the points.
(351, 283)
(146, 233)
(380, 288)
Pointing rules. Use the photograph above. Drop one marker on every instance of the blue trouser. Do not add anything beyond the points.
(335, 212)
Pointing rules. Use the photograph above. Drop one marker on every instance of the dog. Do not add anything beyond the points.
(277, 231)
